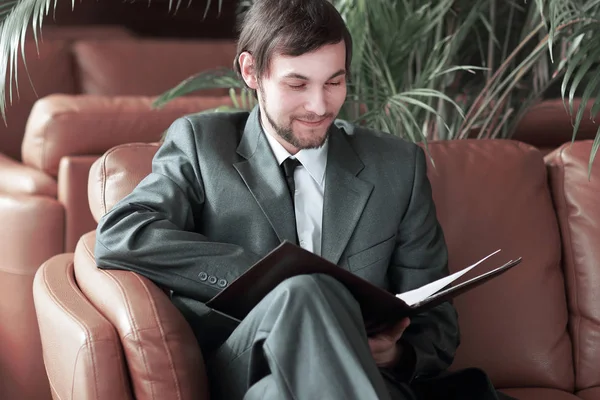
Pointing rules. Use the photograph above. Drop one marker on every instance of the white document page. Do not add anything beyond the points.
(417, 295)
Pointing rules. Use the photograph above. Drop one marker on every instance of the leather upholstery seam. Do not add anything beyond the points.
(54, 393)
(162, 335)
(54, 390)
(84, 345)
(18, 273)
(103, 185)
(135, 331)
(118, 351)
(104, 174)
(576, 353)
(131, 320)
(88, 335)
(45, 141)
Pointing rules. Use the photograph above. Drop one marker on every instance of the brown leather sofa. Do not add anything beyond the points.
(50, 139)
(535, 330)
(44, 208)
(547, 124)
(103, 60)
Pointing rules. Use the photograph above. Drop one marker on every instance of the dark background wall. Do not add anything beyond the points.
(151, 18)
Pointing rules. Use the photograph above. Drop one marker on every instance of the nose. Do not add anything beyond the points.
(316, 102)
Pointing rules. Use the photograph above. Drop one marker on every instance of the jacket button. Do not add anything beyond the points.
(203, 276)
(222, 283)
(212, 280)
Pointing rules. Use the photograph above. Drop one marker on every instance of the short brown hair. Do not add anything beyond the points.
(291, 28)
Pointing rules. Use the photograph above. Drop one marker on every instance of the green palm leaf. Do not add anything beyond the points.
(593, 152)
(216, 79)
(15, 16)
(15, 19)
(585, 60)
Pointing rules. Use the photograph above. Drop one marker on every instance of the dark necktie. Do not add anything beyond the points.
(289, 165)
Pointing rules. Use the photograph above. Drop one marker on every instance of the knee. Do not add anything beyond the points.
(299, 285)
(308, 286)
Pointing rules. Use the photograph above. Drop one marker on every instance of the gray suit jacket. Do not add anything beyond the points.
(216, 202)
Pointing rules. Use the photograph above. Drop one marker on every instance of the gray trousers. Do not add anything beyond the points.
(305, 340)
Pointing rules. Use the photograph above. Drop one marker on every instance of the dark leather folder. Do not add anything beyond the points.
(379, 307)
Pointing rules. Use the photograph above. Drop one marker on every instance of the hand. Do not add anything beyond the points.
(384, 346)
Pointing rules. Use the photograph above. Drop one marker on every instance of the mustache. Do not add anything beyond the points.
(313, 117)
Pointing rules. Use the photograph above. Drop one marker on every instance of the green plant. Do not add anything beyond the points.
(452, 69)
(20, 17)
(423, 70)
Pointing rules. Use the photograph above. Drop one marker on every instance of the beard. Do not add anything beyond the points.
(286, 132)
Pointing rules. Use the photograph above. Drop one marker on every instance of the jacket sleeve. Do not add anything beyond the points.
(152, 230)
(421, 257)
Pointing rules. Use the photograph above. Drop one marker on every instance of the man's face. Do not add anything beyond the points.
(300, 96)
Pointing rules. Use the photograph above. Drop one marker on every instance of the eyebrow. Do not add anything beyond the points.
(294, 75)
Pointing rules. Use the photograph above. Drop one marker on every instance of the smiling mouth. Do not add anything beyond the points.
(313, 123)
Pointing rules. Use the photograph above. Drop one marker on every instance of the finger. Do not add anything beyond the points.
(404, 323)
(384, 341)
(379, 345)
(396, 331)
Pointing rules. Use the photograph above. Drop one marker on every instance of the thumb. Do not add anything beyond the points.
(399, 328)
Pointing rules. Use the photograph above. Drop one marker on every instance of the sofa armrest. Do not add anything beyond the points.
(158, 343)
(114, 175)
(73, 178)
(66, 125)
(82, 353)
(18, 178)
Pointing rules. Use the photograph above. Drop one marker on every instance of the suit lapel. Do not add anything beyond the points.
(264, 179)
(345, 196)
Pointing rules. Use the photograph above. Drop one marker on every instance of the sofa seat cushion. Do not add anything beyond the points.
(590, 394)
(51, 71)
(18, 178)
(539, 393)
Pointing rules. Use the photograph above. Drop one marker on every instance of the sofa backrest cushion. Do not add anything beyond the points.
(147, 67)
(548, 124)
(489, 195)
(61, 125)
(51, 71)
(578, 208)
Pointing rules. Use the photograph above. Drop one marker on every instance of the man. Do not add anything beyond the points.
(217, 201)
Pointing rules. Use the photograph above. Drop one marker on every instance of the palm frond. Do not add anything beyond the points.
(593, 152)
(584, 61)
(16, 16)
(215, 79)
(575, 62)
(453, 68)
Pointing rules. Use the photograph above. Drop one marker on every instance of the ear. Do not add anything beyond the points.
(247, 69)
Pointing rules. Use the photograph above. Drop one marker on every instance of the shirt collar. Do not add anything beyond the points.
(314, 160)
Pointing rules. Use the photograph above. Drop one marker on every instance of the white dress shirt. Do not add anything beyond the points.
(309, 179)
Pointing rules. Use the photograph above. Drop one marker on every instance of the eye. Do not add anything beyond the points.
(334, 83)
(297, 87)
